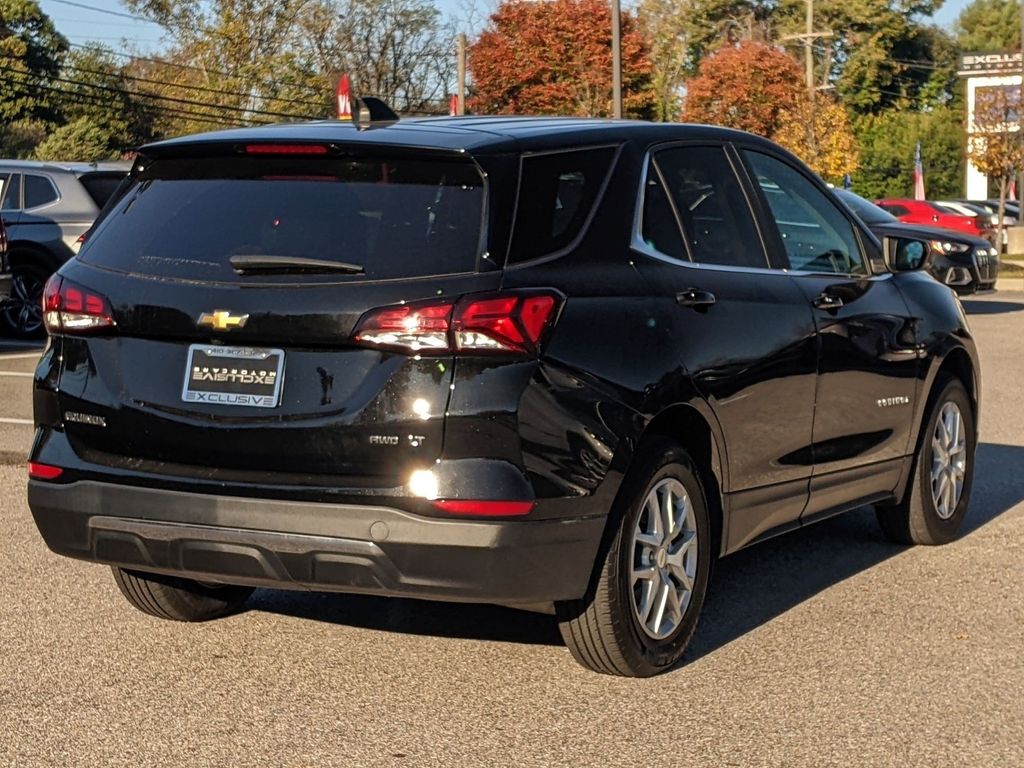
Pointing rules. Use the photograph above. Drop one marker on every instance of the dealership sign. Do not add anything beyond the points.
(990, 64)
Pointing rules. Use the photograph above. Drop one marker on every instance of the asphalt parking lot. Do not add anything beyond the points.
(829, 646)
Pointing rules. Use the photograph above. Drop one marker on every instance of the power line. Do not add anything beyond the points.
(171, 99)
(107, 11)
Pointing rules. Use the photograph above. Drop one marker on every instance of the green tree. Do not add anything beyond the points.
(31, 51)
(97, 89)
(665, 24)
(887, 143)
(80, 140)
(989, 25)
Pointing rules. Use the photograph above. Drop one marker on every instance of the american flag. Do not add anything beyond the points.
(918, 174)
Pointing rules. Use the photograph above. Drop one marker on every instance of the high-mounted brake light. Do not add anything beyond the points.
(285, 149)
(502, 323)
(483, 508)
(38, 471)
(70, 308)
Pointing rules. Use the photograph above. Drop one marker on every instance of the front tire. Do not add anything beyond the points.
(936, 500)
(178, 599)
(648, 590)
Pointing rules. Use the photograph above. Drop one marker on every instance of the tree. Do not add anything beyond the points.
(31, 51)
(989, 25)
(80, 140)
(887, 143)
(665, 25)
(555, 57)
(993, 138)
(401, 51)
(98, 90)
(820, 133)
(749, 86)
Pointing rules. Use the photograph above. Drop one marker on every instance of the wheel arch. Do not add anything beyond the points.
(28, 252)
(697, 432)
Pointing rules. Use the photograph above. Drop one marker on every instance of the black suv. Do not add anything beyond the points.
(558, 364)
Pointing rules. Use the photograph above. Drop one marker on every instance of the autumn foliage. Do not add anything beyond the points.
(757, 88)
(555, 57)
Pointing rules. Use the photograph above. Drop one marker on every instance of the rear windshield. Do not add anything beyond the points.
(100, 186)
(392, 217)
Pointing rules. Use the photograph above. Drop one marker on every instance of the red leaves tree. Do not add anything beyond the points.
(750, 86)
(555, 57)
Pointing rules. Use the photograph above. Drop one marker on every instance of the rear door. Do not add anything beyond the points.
(743, 331)
(251, 368)
(868, 361)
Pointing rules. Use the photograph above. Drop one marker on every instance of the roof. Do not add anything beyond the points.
(119, 166)
(462, 134)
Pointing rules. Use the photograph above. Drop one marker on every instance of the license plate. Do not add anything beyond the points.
(233, 376)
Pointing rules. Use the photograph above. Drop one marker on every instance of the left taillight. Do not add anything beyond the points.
(70, 308)
(498, 323)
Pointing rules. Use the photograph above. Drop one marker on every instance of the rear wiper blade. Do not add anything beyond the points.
(243, 263)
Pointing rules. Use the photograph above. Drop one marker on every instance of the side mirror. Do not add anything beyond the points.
(903, 254)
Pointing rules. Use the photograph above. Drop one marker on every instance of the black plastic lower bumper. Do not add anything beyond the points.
(304, 545)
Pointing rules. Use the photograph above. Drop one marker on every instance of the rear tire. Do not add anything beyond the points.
(634, 625)
(23, 311)
(933, 506)
(178, 599)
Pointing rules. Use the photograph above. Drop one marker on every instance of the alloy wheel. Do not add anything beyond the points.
(23, 311)
(663, 559)
(949, 460)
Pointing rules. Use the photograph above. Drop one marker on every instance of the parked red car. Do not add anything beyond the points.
(927, 212)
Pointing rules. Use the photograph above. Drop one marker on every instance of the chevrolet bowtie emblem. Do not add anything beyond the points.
(222, 320)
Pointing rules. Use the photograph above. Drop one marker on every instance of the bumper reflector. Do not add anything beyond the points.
(483, 508)
(43, 471)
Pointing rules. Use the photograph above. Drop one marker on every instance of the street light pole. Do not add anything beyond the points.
(617, 58)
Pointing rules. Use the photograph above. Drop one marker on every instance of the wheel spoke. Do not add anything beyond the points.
(667, 516)
(645, 573)
(675, 609)
(659, 612)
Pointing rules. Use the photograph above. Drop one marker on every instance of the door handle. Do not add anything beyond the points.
(827, 301)
(694, 297)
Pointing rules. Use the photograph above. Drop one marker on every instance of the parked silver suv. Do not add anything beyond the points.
(46, 208)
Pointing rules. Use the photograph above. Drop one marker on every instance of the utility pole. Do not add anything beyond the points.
(460, 74)
(808, 37)
(617, 58)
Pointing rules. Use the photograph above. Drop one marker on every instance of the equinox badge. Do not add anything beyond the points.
(222, 320)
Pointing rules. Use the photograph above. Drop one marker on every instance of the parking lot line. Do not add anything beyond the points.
(17, 373)
(21, 355)
(5, 420)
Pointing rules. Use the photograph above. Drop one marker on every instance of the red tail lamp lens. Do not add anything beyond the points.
(39, 471)
(484, 508)
(70, 308)
(509, 323)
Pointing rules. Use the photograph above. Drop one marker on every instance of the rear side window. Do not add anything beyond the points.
(712, 208)
(39, 190)
(100, 186)
(557, 192)
(12, 193)
(393, 217)
(895, 210)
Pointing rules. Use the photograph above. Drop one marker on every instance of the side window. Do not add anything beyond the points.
(12, 193)
(816, 235)
(706, 194)
(556, 194)
(659, 228)
(39, 190)
(895, 210)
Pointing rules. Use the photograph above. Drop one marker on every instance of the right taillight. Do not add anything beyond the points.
(70, 308)
(496, 323)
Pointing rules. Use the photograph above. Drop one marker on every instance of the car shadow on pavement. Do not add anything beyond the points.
(748, 589)
(755, 585)
(985, 307)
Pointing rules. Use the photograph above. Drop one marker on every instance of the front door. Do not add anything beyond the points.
(868, 359)
(744, 332)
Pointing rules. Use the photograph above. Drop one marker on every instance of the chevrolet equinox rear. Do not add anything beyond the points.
(560, 365)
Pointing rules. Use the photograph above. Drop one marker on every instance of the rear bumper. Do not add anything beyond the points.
(319, 546)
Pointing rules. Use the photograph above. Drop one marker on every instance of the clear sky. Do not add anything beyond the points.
(81, 25)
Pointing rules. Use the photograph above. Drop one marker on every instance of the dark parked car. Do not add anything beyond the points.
(558, 364)
(47, 208)
(963, 262)
(5, 274)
